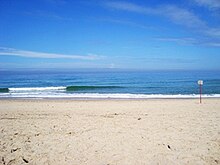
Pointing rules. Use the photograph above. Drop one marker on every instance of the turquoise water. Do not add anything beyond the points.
(108, 84)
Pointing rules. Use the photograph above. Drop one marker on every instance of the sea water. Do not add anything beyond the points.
(107, 84)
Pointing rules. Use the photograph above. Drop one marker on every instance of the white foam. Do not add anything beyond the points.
(37, 88)
(101, 96)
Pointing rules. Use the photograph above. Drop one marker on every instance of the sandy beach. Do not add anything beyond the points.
(108, 132)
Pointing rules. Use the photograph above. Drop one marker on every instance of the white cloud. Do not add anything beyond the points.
(213, 44)
(174, 13)
(191, 41)
(131, 7)
(56, 2)
(127, 6)
(181, 16)
(211, 4)
(47, 15)
(215, 32)
(123, 22)
(185, 41)
(32, 54)
(177, 15)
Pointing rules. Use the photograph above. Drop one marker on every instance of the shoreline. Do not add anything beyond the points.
(93, 96)
(102, 99)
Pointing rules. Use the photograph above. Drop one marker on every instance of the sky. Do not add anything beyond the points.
(112, 34)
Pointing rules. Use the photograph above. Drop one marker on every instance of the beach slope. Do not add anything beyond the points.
(169, 131)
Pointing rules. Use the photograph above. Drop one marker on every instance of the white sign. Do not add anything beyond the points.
(200, 82)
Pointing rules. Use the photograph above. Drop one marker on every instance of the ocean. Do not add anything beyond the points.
(106, 84)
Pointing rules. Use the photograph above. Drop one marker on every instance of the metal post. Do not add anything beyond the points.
(200, 83)
(200, 93)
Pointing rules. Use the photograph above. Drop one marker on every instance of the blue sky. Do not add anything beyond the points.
(134, 34)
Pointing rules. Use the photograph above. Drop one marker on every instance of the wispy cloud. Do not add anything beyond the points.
(181, 16)
(191, 41)
(153, 60)
(174, 13)
(125, 22)
(56, 2)
(211, 4)
(56, 65)
(31, 54)
(172, 60)
(177, 15)
(213, 44)
(128, 7)
(47, 15)
(185, 41)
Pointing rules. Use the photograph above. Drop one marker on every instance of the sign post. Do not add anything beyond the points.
(200, 83)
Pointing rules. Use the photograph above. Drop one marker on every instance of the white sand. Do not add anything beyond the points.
(110, 132)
